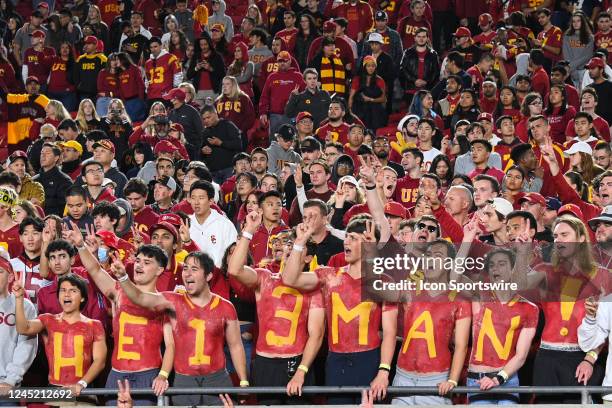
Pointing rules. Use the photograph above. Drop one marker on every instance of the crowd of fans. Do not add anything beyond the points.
(189, 189)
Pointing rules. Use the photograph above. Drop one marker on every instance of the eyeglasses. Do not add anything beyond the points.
(94, 171)
(430, 228)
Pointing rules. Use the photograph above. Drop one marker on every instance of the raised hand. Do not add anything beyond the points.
(117, 267)
(252, 221)
(137, 237)
(18, 289)
(366, 172)
(48, 235)
(90, 238)
(184, 233)
(72, 234)
(298, 176)
(369, 235)
(303, 233)
(591, 305)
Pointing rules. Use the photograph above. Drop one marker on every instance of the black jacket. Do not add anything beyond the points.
(231, 143)
(316, 103)
(216, 75)
(56, 183)
(189, 117)
(119, 178)
(409, 68)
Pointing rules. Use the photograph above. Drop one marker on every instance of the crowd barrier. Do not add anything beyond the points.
(584, 391)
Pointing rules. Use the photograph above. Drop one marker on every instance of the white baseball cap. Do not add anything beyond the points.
(579, 147)
(376, 37)
(502, 206)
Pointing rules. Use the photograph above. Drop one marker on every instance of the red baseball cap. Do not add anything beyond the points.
(595, 62)
(164, 146)
(168, 227)
(105, 144)
(38, 34)
(485, 116)
(109, 239)
(32, 78)
(44, 5)
(175, 93)
(91, 39)
(395, 209)
(463, 32)
(572, 209)
(485, 19)
(329, 26)
(172, 219)
(303, 115)
(535, 198)
(6, 265)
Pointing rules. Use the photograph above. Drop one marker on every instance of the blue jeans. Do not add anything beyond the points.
(497, 399)
(141, 379)
(136, 108)
(102, 105)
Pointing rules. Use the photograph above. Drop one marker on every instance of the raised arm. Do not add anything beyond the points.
(47, 237)
(292, 274)
(374, 202)
(23, 325)
(101, 278)
(237, 266)
(153, 301)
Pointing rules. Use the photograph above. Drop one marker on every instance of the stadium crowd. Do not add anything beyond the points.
(189, 189)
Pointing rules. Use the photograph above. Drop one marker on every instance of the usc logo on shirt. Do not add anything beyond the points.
(235, 106)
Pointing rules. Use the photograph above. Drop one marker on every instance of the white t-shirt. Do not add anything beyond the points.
(214, 236)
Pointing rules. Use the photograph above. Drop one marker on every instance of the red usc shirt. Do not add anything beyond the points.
(69, 347)
(201, 331)
(563, 318)
(145, 219)
(282, 313)
(137, 334)
(352, 324)
(259, 245)
(407, 29)
(496, 328)
(9, 240)
(58, 76)
(553, 38)
(604, 40)
(407, 191)
(429, 325)
(39, 62)
(288, 36)
(327, 133)
(160, 74)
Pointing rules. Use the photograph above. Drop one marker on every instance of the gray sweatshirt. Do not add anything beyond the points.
(577, 54)
(277, 157)
(221, 18)
(258, 56)
(465, 165)
(17, 352)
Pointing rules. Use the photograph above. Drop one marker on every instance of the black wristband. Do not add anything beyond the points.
(500, 379)
(371, 187)
(587, 361)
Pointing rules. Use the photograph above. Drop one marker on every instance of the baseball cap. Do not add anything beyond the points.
(283, 56)
(376, 37)
(484, 19)
(572, 209)
(165, 225)
(329, 26)
(553, 203)
(72, 144)
(303, 115)
(175, 93)
(381, 15)
(395, 209)
(579, 147)
(534, 198)
(502, 206)
(172, 219)
(369, 59)
(605, 216)
(90, 39)
(37, 13)
(6, 265)
(405, 120)
(218, 27)
(105, 144)
(485, 116)
(32, 78)
(463, 32)
(286, 132)
(38, 34)
(109, 239)
(18, 154)
(310, 144)
(348, 179)
(167, 181)
(595, 62)
(164, 146)
(43, 4)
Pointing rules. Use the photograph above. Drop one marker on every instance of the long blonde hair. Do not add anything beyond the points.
(259, 19)
(60, 111)
(584, 254)
(236, 92)
(80, 117)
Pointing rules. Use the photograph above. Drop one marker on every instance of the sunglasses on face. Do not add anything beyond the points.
(430, 228)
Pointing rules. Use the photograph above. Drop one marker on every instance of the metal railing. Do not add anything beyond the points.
(584, 391)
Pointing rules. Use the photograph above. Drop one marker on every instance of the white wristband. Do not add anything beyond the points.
(123, 278)
(247, 235)
(298, 247)
(82, 383)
